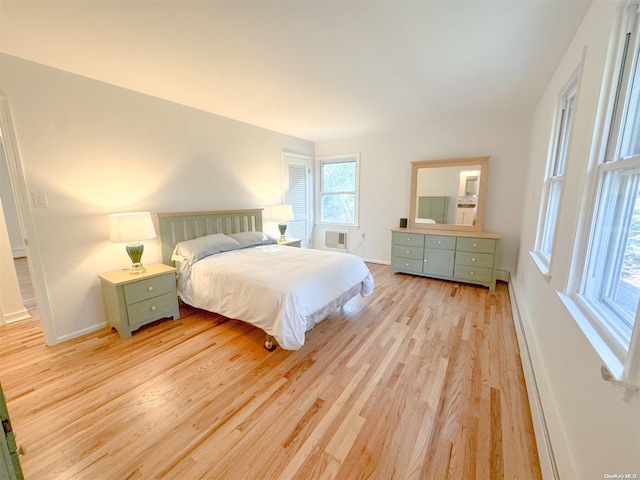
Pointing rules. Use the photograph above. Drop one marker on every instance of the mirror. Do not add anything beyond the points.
(449, 194)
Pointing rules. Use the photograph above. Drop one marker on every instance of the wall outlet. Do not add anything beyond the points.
(40, 200)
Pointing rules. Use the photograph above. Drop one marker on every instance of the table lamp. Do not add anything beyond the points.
(282, 214)
(132, 228)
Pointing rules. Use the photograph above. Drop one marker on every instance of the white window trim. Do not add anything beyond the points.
(620, 368)
(543, 261)
(342, 158)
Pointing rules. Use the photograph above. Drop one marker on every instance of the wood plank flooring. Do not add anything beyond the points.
(422, 380)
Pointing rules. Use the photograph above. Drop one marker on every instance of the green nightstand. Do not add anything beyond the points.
(133, 300)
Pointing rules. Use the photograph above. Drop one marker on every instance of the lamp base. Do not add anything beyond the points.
(283, 228)
(134, 250)
(137, 268)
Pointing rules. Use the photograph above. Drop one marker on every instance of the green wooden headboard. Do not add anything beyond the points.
(178, 227)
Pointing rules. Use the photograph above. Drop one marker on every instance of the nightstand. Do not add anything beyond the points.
(291, 242)
(133, 300)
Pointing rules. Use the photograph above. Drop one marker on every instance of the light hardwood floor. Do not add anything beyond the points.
(422, 380)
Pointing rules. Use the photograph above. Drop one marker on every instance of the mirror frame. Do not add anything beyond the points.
(451, 162)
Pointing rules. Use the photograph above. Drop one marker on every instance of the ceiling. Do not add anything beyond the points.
(313, 69)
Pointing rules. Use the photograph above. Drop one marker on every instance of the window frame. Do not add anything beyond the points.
(621, 87)
(559, 146)
(333, 159)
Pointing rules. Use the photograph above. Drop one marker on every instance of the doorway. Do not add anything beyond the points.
(19, 195)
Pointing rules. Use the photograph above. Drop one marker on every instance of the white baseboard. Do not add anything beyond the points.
(548, 463)
(21, 314)
(79, 333)
(18, 252)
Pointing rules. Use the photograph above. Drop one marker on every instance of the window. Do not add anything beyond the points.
(553, 182)
(297, 193)
(605, 287)
(338, 192)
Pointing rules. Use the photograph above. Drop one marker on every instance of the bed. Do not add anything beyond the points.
(227, 265)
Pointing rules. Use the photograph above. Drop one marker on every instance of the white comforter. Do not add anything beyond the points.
(276, 288)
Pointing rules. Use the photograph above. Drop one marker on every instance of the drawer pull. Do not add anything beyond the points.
(407, 251)
(150, 289)
(475, 244)
(472, 273)
(439, 242)
(154, 308)
(406, 264)
(473, 259)
(408, 239)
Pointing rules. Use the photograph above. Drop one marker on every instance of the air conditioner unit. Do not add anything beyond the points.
(335, 239)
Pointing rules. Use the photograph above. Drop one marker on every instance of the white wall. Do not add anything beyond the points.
(385, 177)
(95, 149)
(594, 432)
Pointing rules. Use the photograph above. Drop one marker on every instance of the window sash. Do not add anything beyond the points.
(550, 204)
(605, 286)
(337, 199)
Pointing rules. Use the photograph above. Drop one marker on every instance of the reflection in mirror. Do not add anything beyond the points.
(449, 194)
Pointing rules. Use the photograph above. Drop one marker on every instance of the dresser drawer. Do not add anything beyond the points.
(152, 309)
(408, 251)
(407, 264)
(149, 288)
(474, 259)
(440, 241)
(480, 245)
(473, 274)
(415, 239)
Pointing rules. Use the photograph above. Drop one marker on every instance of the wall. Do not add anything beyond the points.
(95, 149)
(385, 177)
(594, 432)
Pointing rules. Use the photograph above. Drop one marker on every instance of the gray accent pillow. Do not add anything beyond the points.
(190, 251)
(253, 239)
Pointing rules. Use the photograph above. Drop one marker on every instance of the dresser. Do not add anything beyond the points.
(468, 257)
(133, 300)
(9, 462)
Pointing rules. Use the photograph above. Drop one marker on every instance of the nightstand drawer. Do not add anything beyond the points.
(149, 288)
(152, 309)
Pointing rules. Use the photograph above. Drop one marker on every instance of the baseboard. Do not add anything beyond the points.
(21, 314)
(79, 333)
(18, 252)
(548, 463)
(502, 275)
(379, 262)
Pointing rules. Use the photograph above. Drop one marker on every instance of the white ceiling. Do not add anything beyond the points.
(312, 69)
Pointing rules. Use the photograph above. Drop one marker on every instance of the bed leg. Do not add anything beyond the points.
(269, 343)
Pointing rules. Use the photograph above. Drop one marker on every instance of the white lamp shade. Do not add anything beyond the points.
(130, 227)
(281, 213)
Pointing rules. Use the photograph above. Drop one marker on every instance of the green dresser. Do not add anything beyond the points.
(133, 300)
(446, 254)
(9, 461)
